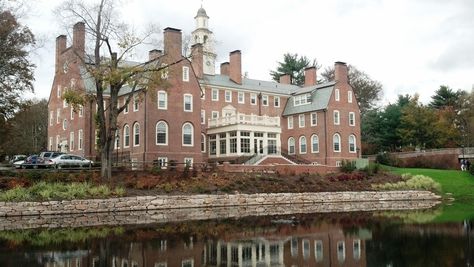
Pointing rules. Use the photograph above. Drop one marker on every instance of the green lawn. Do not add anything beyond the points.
(459, 184)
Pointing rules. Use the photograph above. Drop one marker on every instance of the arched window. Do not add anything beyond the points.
(117, 139)
(302, 145)
(126, 136)
(203, 142)
(161, 133)
(291, 145)
(314, 144)
(352, 143)
(187, 134)
(136, 134)
(336, 143)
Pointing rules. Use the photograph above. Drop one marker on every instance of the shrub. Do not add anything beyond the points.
(372, 168)
(411, 182)
(386, 159)
(347, 166)
(471, 169)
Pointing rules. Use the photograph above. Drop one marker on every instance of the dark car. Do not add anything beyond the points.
(32, 161)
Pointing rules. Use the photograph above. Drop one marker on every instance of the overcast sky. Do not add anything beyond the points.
(410, 46)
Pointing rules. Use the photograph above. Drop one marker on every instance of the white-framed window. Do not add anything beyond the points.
(188, 133)
(215, 94)
(71, 141)
(253, 99)
(136, 103)
(290, 122)
(294, 247)
(336, 94)
(291, 146)
(337, 118)
(72, 113)
(314, 144)
(188, 102)
(306, 248)
(161, 133)
(65, 104)
(136, 134)
(187, 263)
(162, 99)
(51, 117)
(64, 124)
(318, 250)
(341, 251)
(352, 119)
(241, 97)
(356, 249)
(349, 96)
(50, 143)
(161, 264)
(265, 100)
(203, 142)
(58, 115)
(80, 139)
(352, 144)
(203, 116)
(228, 96)
(163, 163)
(336, 142)
(185, 74)
(188, 162)
(302, 99)
(301, 120)
(314, 119)
(126, 136)
(117, 139)
(276, 101)
(215, 114)
(81, 111)
(57, 141)
(125, 111)
(303, 145)
(58, 91)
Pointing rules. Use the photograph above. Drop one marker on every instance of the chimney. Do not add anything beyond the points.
(173, 43)
(285, 79)
(341, 72)
(197, 60)
(235, 69)
(225, 68)
(310, 76)
(79, 38)
(154, 54)
(60, 47)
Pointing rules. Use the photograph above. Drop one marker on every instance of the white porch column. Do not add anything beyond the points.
(265, 143)
(218, 145)
(238, 143)
(278, 143)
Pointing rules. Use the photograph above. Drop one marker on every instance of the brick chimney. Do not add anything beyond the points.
(235, 69)
(79, 38)
(173, 43)
(310, 76)
(225, 68)
(154, 54)
(60, 47)
(197, 60)
(341, 72)
(285, 79)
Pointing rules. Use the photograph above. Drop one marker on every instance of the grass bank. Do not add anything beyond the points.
(456, 184)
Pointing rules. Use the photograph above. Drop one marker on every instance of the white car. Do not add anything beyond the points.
(68, 160)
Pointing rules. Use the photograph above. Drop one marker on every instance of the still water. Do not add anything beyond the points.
(340, 239)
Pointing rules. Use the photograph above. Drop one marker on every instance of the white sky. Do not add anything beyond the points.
(410, 46)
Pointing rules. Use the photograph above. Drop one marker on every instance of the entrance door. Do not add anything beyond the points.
(258, 146)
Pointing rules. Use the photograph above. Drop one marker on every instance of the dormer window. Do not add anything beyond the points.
(302, 99)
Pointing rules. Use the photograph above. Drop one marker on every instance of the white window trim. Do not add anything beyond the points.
(275, 101)
(65, 104)
(301, 123)
(71, 141)
(65, 124)
(338, 122)
(352, 114)
(311, 117)
(228, 93)
(253, 97)
(165, 94)
(125, 110)
(80, 139)
(189, 159)
(133, 135)
(50, 143)
(336, 95)
(205, 142)
(165, 160)
(355, 144)
(136, 104)
(185, 74)
(294, 146)
(215, 112)
(203, 93)
(124, 136)
(265, 98)
(343, 256)
(290, 122)
(243, 97)
(58, 115)
(349, 96)
(216, 98)
(51, 117)
(336, 134)
(81, 111)
(117, 138)
(72, 113)
(156, 134)
(317, 137)
(203, 116)
(191, 102)
(306, 145)
(192, 135)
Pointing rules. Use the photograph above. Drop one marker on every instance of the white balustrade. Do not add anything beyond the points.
(241, 118)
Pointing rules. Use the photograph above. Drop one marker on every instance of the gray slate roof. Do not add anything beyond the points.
(89, 84)
(249, 84)
(320, 95)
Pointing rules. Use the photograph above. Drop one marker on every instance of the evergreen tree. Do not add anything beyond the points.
(294, 66)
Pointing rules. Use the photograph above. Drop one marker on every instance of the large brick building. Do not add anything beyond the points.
(202, 116)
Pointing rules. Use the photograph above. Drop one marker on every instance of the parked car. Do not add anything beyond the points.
(33, 161)
(69, 160)
(46, 155)
(17, 158)
(17, 164)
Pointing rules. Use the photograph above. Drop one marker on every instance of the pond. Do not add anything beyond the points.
(391, 238)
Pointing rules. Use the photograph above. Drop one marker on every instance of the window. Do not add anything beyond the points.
(336, 94)
(241, 97)
(302, 99)
(188, 103)
(71, 141)
(135, 103)
(294, 247)
(162, 133)
(290, 122)
(336, 143)
(302, 145)
(161, 264)
(203, 142)
(125, 111)
(341, 251)
(187, 263)
(58, 115)
(50, 143)
(222, 144)
(80, 139)
(314, 144)
(265, 100)
(81, 111)
(215, 94)
(65, 103)
(185, 74)
(276, 101)
(314, 119)
(136, 134)
(117, 139)
(233, 142)
(356, 249)
(349, 96)
(59, 91)
(162, 100)
(351, 118)
(306, 248)
(72, 113)
(245, 142)
(301, 121)
(187, 134)
(212, 144)
(126, 136)
(253, 99)
(188, 162)
(291, 145)
(203, 116)
(318, 250)
(228, 96)
(336, 117)
(352, 143)
(64, 124)
(57, 141)
(162, 162)
(215, 114)
(51, 117)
